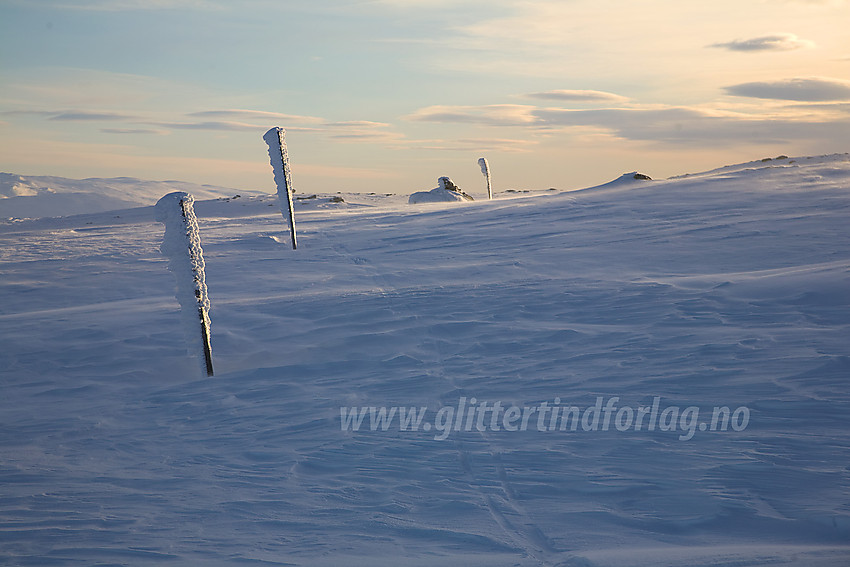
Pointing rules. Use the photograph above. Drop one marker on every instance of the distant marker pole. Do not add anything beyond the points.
(485, 169)
(276, 140)
(182, 246)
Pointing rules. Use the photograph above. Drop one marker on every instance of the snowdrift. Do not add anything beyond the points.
(625, 181)
(674, 298)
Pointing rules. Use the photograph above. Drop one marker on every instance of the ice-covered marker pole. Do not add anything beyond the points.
(182, 246)
(276, 140)
(485, 170)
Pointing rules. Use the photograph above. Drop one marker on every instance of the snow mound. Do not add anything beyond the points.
(625, 180)
(447, 192)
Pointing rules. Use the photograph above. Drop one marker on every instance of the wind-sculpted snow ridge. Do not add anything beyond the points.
(625, 181)
(659, 375)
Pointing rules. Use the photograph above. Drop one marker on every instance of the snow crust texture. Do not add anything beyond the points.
(723, 289)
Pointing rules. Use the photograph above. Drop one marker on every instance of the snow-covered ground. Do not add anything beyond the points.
(665, 299)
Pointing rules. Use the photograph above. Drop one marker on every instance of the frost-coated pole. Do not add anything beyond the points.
(182, 246)
(279, 157)
(485, 169)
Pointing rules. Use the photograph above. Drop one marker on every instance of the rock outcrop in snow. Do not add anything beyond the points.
(445, 193)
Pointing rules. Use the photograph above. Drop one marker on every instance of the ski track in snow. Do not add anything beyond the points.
(729, 288)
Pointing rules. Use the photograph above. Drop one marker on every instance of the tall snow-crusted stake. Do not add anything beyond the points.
(485, 170)
(279, 157)
(182, 246)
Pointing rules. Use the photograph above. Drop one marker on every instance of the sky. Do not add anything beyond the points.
(389, 95)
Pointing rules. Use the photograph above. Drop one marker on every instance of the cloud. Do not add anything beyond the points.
(472, 144)
(366, 124)
(698, 127)
(577, 96)
(222, 125)
(259, 120)
(776, 42)
(803, 90)
(822, 107)
(134, 5)
(656, 124)
(131, 131)
(85, 115)
(675, 125)
(367, 136)
(836, 3)
(255, 115)
(349, 129)
(99, 116)
(30, 112)
(361, 131)
(224, 120)
(491, 115)
(72, 115)
(637, 122)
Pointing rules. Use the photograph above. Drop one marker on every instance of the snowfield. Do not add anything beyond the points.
(666, 299)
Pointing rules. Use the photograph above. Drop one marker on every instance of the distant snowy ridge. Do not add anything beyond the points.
(31, 197)
(779, 161)
(46, 196)
(17, 186)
